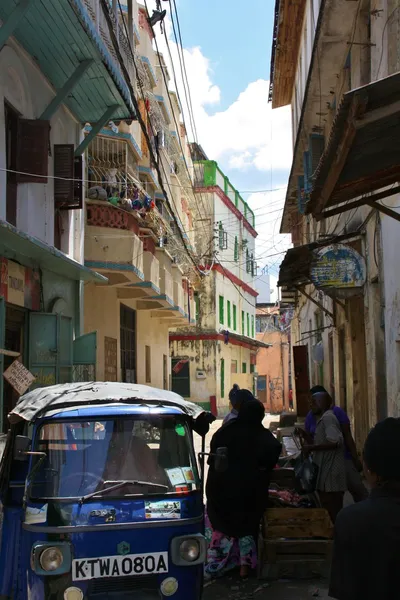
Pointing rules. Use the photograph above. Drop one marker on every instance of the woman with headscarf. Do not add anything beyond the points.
(237, 497)
(237, 397)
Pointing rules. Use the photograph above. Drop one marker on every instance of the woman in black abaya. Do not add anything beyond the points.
(237, 497)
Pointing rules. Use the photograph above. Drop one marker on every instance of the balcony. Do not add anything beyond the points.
(77, 57)
(112, 243)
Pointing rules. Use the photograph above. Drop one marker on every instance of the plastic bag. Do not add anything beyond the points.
(306, 474)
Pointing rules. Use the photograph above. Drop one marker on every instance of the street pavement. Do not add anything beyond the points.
(232, 588)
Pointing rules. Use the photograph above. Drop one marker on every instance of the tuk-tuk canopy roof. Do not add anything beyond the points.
(73, 395)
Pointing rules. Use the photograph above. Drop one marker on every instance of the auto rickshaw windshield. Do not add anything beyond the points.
(146, 455)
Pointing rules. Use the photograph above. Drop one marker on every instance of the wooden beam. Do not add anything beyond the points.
(361, 202)
(11, 24)
(379, 113)
(9, 353)
(66, 89)
(384, 209)
(357, 107)
(97, 127)
(316, 302)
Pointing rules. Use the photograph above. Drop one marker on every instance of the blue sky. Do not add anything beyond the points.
(227, 53)
(236, 40)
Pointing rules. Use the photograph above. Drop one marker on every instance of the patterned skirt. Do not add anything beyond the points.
(225, 553)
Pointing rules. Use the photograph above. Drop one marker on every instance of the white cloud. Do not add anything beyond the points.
(247, 135)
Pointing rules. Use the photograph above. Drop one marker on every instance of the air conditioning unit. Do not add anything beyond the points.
(200, 374)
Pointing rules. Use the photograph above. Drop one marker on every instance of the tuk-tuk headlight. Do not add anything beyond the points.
(54, 558)
(190, 550)
(51, 559)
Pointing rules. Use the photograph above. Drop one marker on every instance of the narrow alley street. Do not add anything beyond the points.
(232, 588)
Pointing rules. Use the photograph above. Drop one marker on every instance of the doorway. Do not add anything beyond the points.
(14, 340)
(128, 343)
(342, 369)
(11, 127)
(302, 379)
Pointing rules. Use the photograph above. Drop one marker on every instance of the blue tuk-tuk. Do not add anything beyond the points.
(101, 495)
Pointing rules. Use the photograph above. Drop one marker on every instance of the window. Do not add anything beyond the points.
(234, 318)
(148, 363)
(242, 322)
(78, 454)
(197, 302)
(248, 261)
(180, 376)
(258, 325)
(254, 267)
(248, 324)
(222, 238)
(236, 250)
(244, 368)
(252, 326)
(234, 366)
(165, 372)
(221, 310)
(252, 368)
(228, 310)
(128, 344)
(222, 378)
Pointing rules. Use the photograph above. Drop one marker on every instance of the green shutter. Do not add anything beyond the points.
(50, 348)
(210, 173)
(234, 318)
(236, 251)
(228, 310)
(222, 378)
(248, 324)
(221, 310)
(252, 326)
(244, 368)
(242, 322)
(252, 368)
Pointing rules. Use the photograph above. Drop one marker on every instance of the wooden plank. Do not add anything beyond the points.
(294, 547)
(9, 353)
(310, 530)
(295, 513)
(356, 109)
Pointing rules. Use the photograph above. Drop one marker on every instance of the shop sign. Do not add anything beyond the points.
(19, 285)
(338, 267)
(19, 377)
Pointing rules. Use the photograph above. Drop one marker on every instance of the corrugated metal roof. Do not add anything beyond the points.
(374, 157)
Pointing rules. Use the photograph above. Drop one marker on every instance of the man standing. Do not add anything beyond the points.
(353, 464)
(366, 557)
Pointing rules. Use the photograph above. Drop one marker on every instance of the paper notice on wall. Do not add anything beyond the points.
(19, 377)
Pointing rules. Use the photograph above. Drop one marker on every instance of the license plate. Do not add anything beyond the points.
(119, 566)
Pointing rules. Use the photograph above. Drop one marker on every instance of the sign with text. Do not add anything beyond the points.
(19, 285)
(19, 377)
(338, 267)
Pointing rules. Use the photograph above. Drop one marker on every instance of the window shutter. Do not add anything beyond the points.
(78, 183)
(234, 318)
(228, 310)
(301, 195)
(33, 150)
(64, 174)
(307, 172)
(221, 310)
(236, 250)
(316, 146)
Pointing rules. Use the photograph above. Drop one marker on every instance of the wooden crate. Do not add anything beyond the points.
(297, 523)
(295, 543)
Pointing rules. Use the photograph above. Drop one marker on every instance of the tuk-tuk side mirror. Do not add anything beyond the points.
(221, 462)
(22, 445)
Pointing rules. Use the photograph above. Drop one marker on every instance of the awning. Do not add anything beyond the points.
(77, 55)
(295, 267)
(362, 154)
(31, 252)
